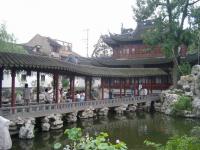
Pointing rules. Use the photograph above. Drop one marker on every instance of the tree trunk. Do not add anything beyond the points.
(175, 73)
(176, 62)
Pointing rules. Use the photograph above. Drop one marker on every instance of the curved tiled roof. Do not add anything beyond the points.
(46, 64)
(133, 36)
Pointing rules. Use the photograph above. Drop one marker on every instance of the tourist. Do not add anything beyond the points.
(61, 94)
(47, 97)
(140, 88)
(82, 96)
(26, 94)
(78, 97)
(110, 94)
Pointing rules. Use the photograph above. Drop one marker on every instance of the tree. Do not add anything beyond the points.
(8, 42)
(170, 29)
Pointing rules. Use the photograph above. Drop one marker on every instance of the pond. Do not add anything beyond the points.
(132, 128)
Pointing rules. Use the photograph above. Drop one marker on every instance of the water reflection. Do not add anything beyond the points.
(132, 128)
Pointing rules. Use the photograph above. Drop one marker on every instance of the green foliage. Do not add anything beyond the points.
(185, 68)
(65, 83)
(7, 42)
(74, 134)
(57, 146)
(177, 143)
(195, 131)
(98, 142)
(169, 30)
(183, 103)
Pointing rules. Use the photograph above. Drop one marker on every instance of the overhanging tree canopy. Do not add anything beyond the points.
(173, 24)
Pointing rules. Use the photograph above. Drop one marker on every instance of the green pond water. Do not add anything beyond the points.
(132, 128)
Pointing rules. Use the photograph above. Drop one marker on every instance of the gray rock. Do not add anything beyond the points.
(120, 110)
(27, 131)
(71, 117)
(196, 107)
(45, 126)
(103, 111)
(195, 70)
(88, 113)
(55, 121)
(132, 108)
(167, 101)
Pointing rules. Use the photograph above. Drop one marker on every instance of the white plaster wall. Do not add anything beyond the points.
(31, 80)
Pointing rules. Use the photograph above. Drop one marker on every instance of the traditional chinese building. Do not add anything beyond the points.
(130, 51)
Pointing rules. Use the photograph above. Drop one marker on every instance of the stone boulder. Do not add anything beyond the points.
(45, 126)
(196, 107)
(27, 130)
(131, 108)
(5, 140)
(120, 109)
(195, 70)
(167, 100)
(87, 113)
(103, 111)
(55, 121)
(71, 117)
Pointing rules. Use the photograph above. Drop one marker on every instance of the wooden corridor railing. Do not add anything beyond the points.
(41, 110)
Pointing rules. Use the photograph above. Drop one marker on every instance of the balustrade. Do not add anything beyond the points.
(46, 109)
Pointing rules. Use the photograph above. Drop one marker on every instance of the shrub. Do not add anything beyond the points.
(195, 131)
(81, 142)
(185, 68)
(177, 143)
(183, 103)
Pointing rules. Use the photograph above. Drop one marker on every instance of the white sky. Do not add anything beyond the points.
(66, 19)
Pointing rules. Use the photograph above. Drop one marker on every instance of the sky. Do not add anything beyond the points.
(66, 20)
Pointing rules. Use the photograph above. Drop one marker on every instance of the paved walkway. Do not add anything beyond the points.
(41, 110)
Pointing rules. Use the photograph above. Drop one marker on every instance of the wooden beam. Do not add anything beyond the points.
(1, 78)
(13, 97)
(38, 86)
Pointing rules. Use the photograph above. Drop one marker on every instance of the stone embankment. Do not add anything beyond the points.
(188, 86)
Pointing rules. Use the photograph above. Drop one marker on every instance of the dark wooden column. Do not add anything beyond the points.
(56, 86)
(72, 88)
(120, 82)
(102, 87)
(109, 88)
(90, 87)
(124, 87)
(87, 89)
(38, 86)
(151, 85)
(131, 85)
(13, 97)
(1, 78)
(134, 87)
